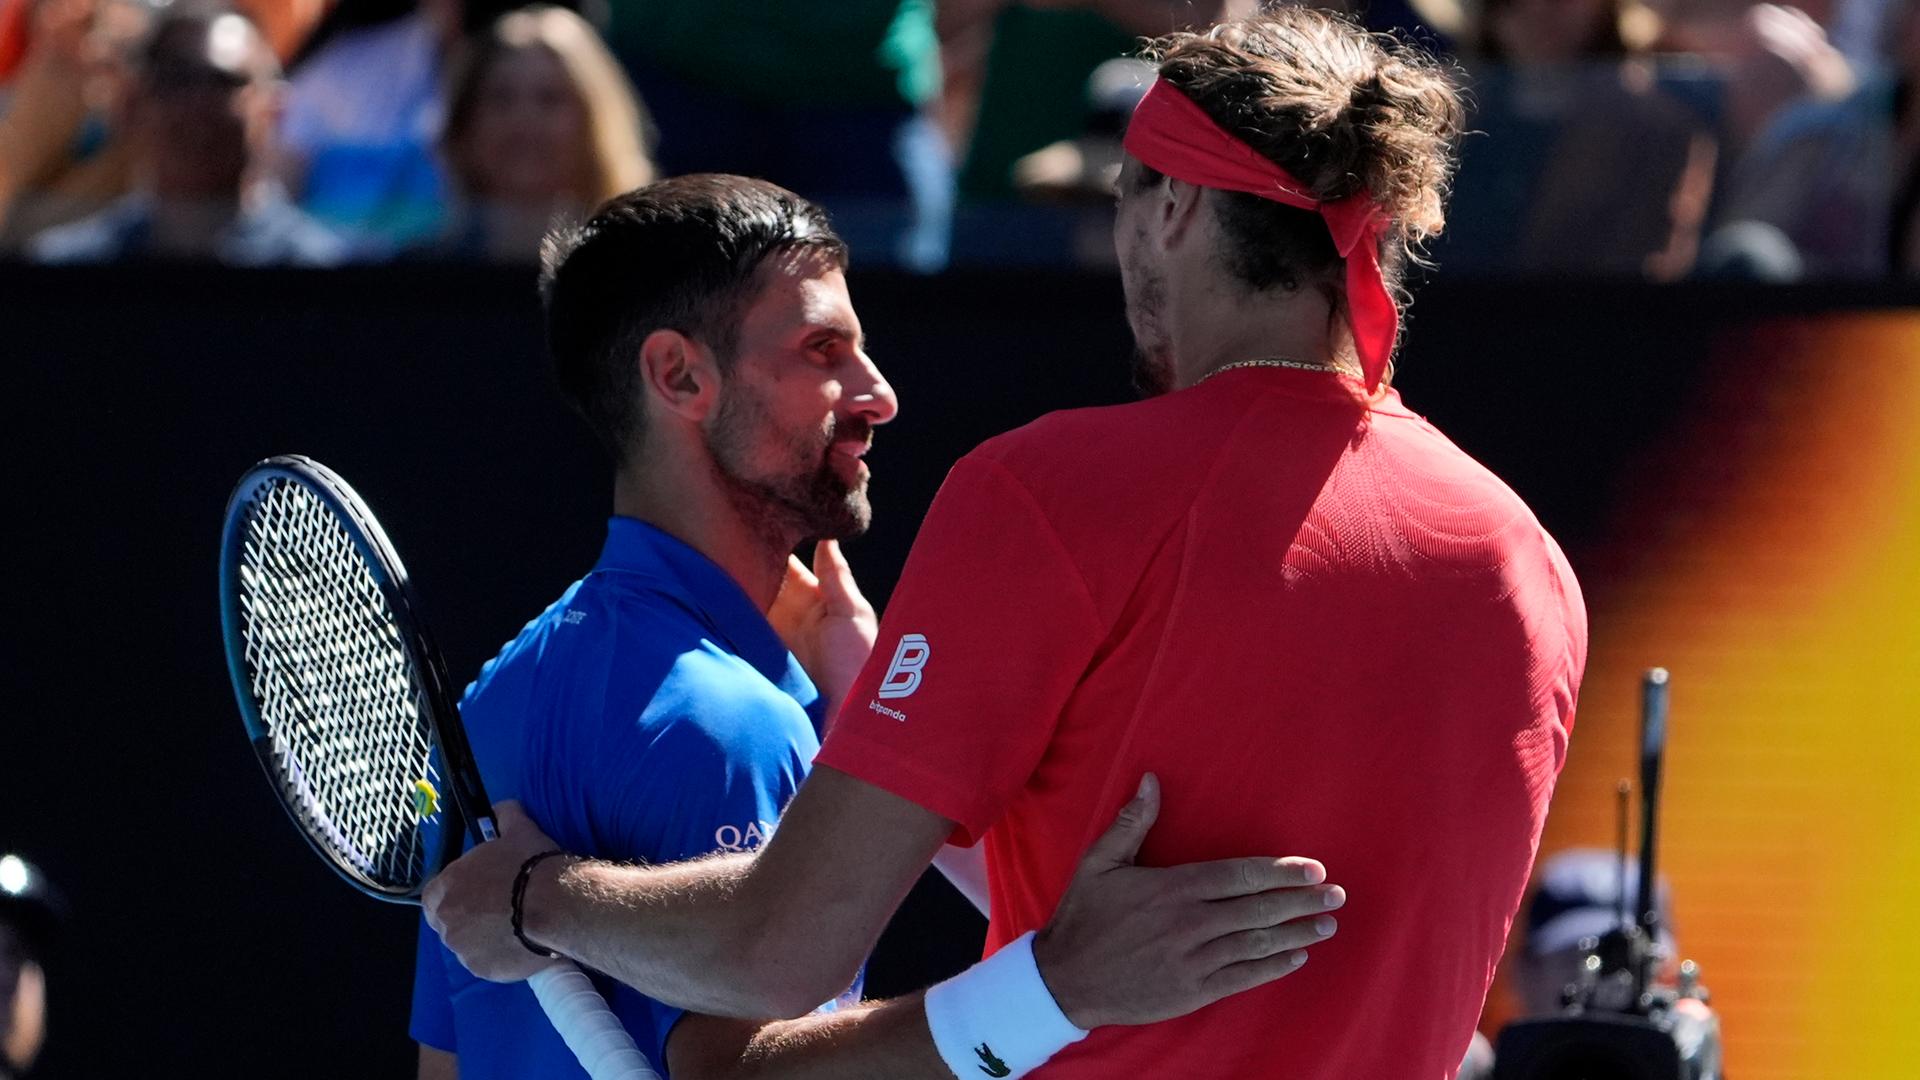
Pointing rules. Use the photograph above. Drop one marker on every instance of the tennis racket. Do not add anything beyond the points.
(348, 706)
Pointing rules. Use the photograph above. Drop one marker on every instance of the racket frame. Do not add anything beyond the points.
(431, 685)
(572, 1004)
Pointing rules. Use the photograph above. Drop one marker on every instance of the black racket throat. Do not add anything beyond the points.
(345, 698)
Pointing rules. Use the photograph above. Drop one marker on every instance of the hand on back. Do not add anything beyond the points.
(1133, 945)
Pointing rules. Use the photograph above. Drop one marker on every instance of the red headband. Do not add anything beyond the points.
(1171, 134)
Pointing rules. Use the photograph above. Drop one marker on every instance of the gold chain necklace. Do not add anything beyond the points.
(1273, 361)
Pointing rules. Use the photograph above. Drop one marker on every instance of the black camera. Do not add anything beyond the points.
(1617, 1025)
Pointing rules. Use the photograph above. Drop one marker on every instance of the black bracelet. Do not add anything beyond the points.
(519, 896)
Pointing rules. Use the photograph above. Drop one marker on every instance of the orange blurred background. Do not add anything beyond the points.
(1767, 551)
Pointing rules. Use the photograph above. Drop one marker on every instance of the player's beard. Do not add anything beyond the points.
(1146, 300)
(802, 497)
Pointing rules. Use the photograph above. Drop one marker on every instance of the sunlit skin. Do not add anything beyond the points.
(789, 436)
(745, 457)
(1189, 315)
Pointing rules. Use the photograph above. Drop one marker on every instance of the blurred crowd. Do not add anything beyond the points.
(1652, 139)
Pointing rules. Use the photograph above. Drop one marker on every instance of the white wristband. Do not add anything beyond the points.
(997, 1018)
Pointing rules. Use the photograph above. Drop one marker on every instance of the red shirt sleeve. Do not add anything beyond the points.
(987, 634)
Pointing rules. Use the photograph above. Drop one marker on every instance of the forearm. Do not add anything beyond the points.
(690, 934)
(766, 935)
(876, 1041)
(884, 1041)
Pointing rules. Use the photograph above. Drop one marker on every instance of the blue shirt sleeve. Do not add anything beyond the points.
(432, 1023)
(630, 733)
(703, 772)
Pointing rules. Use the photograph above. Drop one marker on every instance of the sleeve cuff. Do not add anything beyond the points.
(902, 775)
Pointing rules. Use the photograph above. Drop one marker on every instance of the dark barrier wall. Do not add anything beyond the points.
(206, 937)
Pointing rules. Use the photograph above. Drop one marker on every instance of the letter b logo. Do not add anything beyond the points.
(903, 675)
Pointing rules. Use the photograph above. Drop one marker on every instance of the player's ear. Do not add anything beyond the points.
(679, 374)
(1177, 209)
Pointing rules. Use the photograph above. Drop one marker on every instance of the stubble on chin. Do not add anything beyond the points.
(803, 504)
(834, 511)
(1152, 357)
(1152, 371)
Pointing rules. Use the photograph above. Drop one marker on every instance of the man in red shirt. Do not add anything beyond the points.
(1319, 623)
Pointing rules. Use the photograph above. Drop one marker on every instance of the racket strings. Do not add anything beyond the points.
(335, 688)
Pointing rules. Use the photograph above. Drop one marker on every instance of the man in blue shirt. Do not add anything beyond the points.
(702, 328)
(651, 713)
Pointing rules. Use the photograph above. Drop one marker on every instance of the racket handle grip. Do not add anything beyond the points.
(588, 1026)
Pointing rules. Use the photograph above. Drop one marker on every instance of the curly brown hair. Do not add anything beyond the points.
(1341, 109)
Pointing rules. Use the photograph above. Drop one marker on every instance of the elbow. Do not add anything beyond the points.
(795, 993)
(787, 1003)
(792, 974)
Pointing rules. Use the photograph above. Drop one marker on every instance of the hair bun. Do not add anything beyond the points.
(1339, 108)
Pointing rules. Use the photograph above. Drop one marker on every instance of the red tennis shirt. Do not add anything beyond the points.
(1328, 630)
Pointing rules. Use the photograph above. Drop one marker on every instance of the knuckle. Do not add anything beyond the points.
(1271, 908)
(1297, 904)
(1245, 877)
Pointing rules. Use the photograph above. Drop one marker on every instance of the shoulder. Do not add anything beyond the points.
(660, 667)
(595, 619)
(1088, 451)
(1126, 467)
(1030, 447)
(599, 636)
(615, 684)
(519, 658)
(1434, 486)
(1426, 461)
(1092, 491)
(1461, 514)
(711, 700)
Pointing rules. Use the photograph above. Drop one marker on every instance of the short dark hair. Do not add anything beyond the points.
(680, 254)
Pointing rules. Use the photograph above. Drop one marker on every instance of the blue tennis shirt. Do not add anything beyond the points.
(650, 714)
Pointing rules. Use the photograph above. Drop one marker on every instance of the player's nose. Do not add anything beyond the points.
(871, 395)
